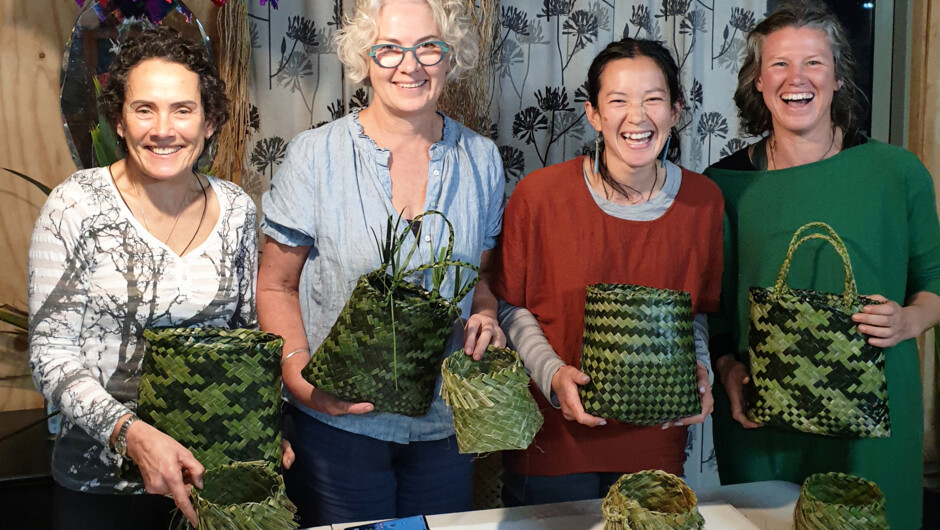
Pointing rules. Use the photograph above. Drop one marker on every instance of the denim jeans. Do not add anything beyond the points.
(524, 490)
(339, 476)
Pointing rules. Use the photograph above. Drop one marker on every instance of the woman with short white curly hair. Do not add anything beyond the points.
(359, 33)
(337, 187)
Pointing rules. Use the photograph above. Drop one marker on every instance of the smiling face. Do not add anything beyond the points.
(162, 120)
(633, 113)
(409, 88)
(797, 80)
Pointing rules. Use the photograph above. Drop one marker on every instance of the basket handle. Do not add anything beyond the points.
(850, 291)
(444, 261)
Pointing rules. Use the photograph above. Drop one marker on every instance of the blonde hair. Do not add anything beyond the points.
(360, 32)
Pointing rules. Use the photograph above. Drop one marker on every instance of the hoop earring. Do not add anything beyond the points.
(666, 150)
(597, 150)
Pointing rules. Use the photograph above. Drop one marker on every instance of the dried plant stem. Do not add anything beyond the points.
(234, 58)
(467, 100)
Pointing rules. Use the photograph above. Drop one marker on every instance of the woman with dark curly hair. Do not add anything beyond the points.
(145, 242)
(796, 90)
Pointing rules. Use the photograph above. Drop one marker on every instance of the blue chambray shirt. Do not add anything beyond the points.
(333, 193)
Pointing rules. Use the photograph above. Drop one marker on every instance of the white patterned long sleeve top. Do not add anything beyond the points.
(97, 279)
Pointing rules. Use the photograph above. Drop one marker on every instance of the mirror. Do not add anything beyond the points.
(100, 29)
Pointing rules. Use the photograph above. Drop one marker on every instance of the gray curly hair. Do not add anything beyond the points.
(359, 33)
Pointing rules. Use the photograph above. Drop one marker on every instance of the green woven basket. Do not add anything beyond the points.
(242, 496)
(651, 500)
(639, 351)
(387, 344)
(214, 390)
(811, 368)
(493, 409)
(837, 500)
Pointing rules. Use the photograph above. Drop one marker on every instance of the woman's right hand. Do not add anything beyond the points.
(565, 386)
(316, 399)
(734, 376)
(165, 465)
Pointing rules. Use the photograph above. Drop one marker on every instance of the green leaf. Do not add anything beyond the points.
(105, 141)
(45, 189)
(14, 316)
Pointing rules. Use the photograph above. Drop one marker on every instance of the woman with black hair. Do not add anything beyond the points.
(626, 216)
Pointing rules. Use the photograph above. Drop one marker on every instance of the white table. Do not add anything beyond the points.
(758, 505)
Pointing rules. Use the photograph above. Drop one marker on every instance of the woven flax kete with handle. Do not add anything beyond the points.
(387, 344)
(214, 390)
(811, 368)
(639, 352)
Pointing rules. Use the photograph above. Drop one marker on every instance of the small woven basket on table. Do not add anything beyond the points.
(241, 496)
(639, 352)
(837, 500)
(811, 368)
(214, 390)
(493, 409)
(651, 500)
(386, 346)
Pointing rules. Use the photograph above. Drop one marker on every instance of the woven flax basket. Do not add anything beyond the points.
(493, 409)
(241, 496)
(837, 500)
(214, 390)
(387, 344)
(651, 500)
(639, 351)
(811, 368)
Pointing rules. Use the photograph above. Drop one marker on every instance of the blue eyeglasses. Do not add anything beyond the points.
(426, 53)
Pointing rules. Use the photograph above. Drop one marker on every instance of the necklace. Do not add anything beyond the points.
(205, 205)
(143, 216)
(618, 188)
(773, 147)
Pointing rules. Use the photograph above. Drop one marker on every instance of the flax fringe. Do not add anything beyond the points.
(466, 100)
(234, 58)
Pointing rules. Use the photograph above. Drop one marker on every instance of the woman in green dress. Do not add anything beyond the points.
(796, 91)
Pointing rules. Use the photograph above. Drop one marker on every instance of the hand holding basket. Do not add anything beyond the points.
(811, 368)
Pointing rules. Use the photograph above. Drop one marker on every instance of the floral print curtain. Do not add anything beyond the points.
(542, 53)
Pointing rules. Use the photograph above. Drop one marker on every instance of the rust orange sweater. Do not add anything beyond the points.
(555, 242)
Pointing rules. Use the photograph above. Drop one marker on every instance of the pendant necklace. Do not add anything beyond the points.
(773, 147)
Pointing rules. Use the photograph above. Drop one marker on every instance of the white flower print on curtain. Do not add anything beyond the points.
(544, 50)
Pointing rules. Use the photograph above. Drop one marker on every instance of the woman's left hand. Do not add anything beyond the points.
(479, 332)
(705, 395)
(287, 454)
(887, 324)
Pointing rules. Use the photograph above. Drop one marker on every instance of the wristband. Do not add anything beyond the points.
(293, 353)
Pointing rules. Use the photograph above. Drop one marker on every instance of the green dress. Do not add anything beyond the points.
(880, 200)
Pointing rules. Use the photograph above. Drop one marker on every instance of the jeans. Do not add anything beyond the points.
(524, 490)
(340, 476)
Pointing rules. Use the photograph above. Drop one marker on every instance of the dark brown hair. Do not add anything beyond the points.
(847, 102)
(165, 44)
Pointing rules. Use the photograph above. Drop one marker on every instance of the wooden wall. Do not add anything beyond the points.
(924, 135)
(33, 35)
